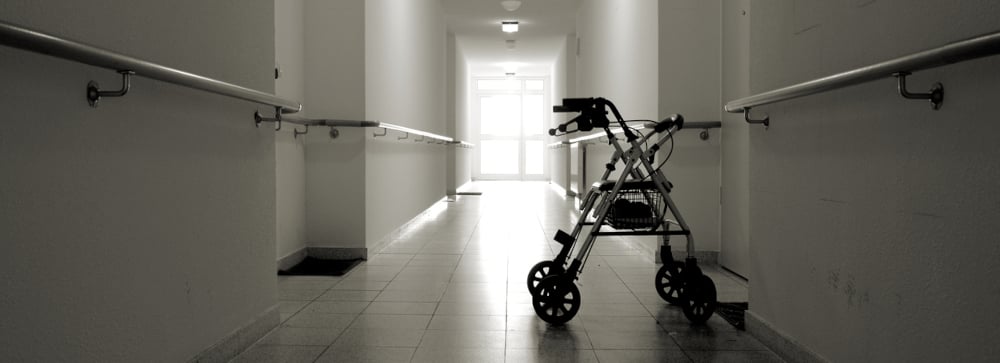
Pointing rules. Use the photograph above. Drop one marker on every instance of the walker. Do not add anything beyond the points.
(635, 204)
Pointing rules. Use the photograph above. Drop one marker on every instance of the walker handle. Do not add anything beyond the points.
(582, 121)
(669, 122)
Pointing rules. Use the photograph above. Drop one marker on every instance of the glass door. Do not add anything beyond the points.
(511, 125)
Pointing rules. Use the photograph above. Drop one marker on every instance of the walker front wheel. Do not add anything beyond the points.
(540, 271)
(557, 300)
(699, 299)
(668, 282)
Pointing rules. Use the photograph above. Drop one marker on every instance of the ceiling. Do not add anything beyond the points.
(544, 25)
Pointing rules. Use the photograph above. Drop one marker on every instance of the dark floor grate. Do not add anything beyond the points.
(317, 267)
(734, 313)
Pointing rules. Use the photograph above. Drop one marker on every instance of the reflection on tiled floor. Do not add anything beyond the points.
(452, 289)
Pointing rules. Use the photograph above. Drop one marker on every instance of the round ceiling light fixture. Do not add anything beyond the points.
(510, 5)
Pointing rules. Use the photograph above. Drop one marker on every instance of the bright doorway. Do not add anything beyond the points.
(511, 126)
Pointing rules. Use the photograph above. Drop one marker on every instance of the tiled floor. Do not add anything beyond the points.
(452, 289)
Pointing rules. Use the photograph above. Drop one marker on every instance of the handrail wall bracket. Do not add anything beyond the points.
(296, 132)
(766, 121)
(94, 92)
(936, 95)
(258, 118)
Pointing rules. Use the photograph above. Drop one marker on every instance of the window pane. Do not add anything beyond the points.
(499, 157)
(500, 115)
(533, 157)
(534, 85)
(533, 113)
(498, 85)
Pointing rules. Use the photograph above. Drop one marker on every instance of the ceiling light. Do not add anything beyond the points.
(510, 5)
(509, 26)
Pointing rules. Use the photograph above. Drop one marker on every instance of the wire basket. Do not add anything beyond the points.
(635, 209)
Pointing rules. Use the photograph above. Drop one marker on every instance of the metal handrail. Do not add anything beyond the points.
(414, 132)
(35, 41)
(972, 48)
(362, 123)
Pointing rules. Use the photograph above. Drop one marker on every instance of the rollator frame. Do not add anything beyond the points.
(555, 297)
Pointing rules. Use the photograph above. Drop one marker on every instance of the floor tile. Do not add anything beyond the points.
(300, 336)
(336, 307)
(472, 308)
(468, 322)
(387, 321)
(401, 308)
(349, 295)
(319, 320)
(464, 339)
(631, 340)
(379, 338)
(626, 356)
(548, 355)
(299, 294)
(548, 339)
(366, 354)
(279, 354)
(734, 357)
(360, 285)
(462, 355)
(451, 288)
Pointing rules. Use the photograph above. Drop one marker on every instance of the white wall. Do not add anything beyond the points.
(290, 183)
(462, 122)
(559, 157)
(873, 218)
(617, 60)
(335, 88)
(618, 54)
(142, 230)
(458, 160)
(690, 42)
(404, 84)
(734, 250)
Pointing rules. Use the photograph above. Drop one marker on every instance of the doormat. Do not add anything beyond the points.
(317, 267)
(734, 313)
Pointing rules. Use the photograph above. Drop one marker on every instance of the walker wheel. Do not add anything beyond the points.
(540, 271)
(557, 300)
(668, 282)
(699, 299)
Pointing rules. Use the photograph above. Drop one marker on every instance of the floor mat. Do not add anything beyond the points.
(317, 267)
(734, 313)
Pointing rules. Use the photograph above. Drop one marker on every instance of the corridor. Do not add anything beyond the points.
(451, 288)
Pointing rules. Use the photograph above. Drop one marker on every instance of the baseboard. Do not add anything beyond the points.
(241, 338)
(292, 259)
(393, 235)
(781, 344)
(337, 253)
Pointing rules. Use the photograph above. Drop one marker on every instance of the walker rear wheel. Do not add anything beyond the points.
(557, 300)
(668, 282)
(699, 299)
(540, 271)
